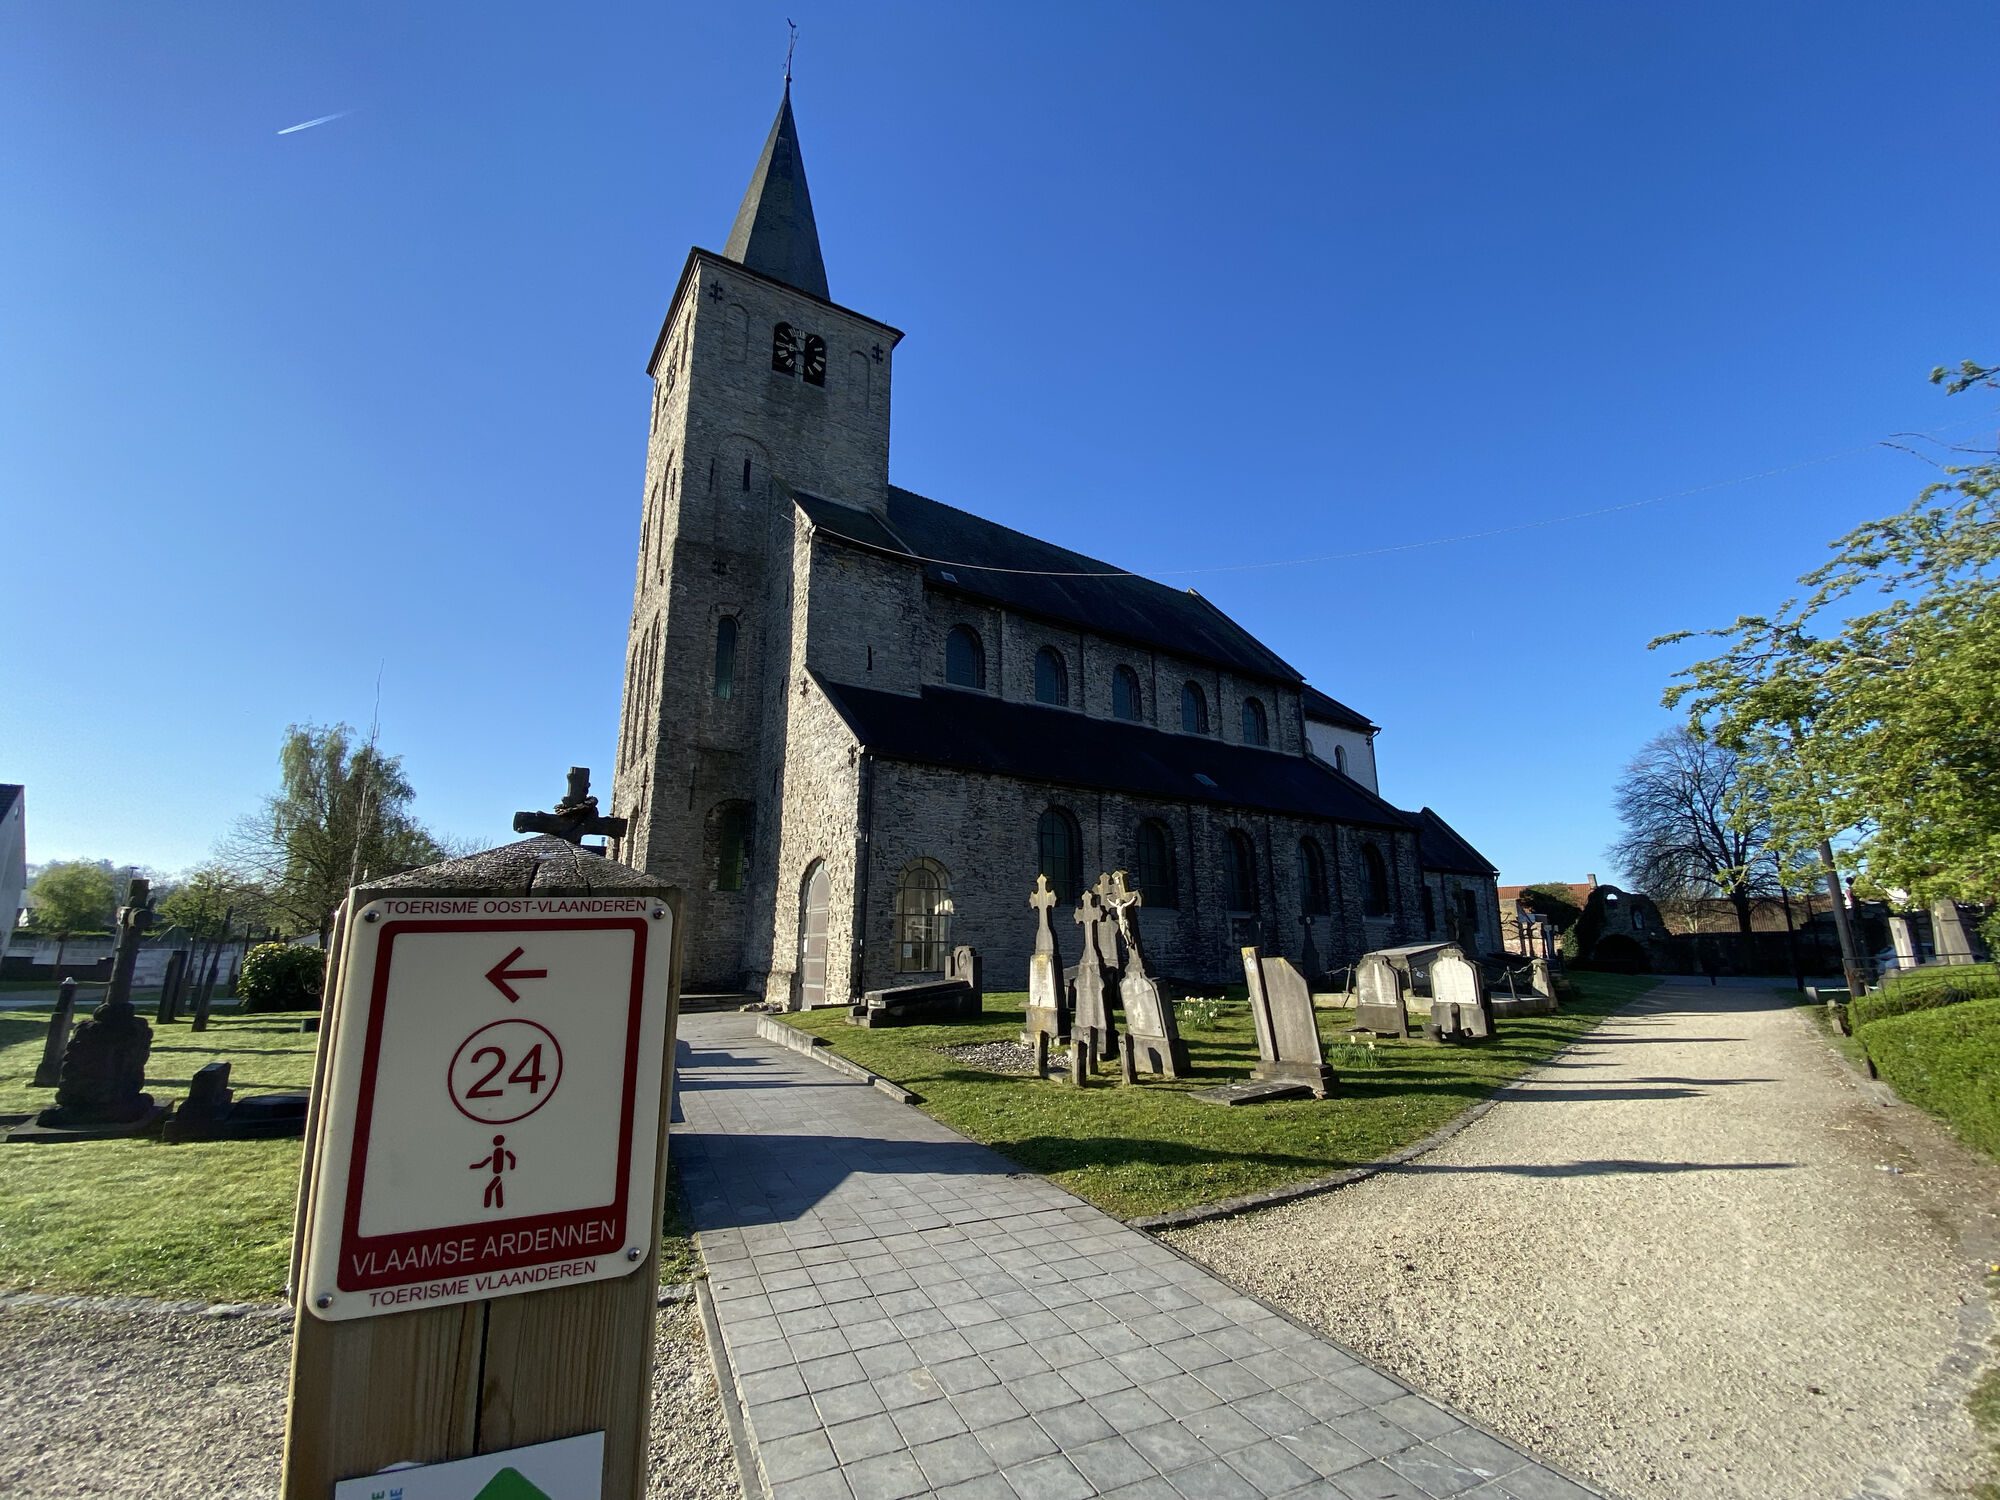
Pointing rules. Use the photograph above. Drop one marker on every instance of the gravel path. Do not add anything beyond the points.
(170, 1407)
(1695, 1255)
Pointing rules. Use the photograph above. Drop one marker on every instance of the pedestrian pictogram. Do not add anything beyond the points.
(499, 1162)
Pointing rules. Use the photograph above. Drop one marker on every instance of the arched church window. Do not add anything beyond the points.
(1239, 892)
(1340, 759)
(1125, 694)
(1374, 882)
(1468, 916)
(732, 845)
(1051, 677)
(923, 917)
(1060, 846)
(1429, 907)
(1313, 900)
(1256, 727)
(784, 351)
(1153, 859)
(725, 657)
(746, 471)
(1194, 709)
(964, 658)
(813, 367)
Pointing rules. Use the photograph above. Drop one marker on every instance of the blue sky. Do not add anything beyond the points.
(1189, 288)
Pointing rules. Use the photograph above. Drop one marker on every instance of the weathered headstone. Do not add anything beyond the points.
(1903, 933)
(99, 1088)
(1542, 979)
(1149, 1016)
(1096, 991)
(964, 966)
(1951, 935)
(1380, 990)
(212, 1111)
(57, 1041)
(170, 986)
(1288, 1044)
(935, 1002)
(1048, 1005)
(1079, 1059)
(1456, 983)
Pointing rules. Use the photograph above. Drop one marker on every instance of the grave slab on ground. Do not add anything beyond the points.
(907, 1313)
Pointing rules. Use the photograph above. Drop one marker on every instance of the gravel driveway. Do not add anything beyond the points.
(171, 1407)
(1695, 1255)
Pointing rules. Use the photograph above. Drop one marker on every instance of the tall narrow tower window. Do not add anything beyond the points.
(725, 657)
(784, 350)
(1194, 709)
(1051, 677)
(964, 658)
(1125, 694)
(1256, 728)
(815, 360)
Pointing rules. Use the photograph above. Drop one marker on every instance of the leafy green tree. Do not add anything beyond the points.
(1863, 709)
(342, 811)
(203, 903)
(71, 896)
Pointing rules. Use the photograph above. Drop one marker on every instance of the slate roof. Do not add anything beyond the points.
(983, 560)
(1441, 847)
(970, 731)
(775, 233)
(1331, 710)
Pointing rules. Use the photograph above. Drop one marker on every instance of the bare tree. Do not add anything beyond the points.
(1689, 832)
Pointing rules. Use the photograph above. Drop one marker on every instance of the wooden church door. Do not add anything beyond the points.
(813, 902)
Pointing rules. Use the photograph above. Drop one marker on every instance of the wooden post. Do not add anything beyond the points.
(54, 1044)
(431, 1384)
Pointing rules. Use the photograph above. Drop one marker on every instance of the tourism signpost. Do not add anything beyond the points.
(476, 1265)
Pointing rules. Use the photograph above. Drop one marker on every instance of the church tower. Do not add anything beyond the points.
(763, 387)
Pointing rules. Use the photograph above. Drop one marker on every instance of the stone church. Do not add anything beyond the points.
(858, 722)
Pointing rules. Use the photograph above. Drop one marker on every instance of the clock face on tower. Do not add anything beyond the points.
(814, 364)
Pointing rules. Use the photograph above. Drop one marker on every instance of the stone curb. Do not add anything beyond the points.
(748, 1475)
(1227, 1208)
(807, 1045)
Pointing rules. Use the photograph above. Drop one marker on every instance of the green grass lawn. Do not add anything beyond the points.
(143, 1218)
(1152, 1149)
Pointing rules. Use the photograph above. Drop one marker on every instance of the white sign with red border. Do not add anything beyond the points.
(492, 1099)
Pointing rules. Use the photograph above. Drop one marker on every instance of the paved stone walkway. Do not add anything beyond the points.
(907, 1314)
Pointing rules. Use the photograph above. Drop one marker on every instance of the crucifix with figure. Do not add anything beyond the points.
(575, 817)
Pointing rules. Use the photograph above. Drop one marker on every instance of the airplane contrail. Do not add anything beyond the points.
(308, 124)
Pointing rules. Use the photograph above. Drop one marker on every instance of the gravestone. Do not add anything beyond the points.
(212, 1112)
(1903, 933)
(932, 1003)
(1288, 1044)
(1096, 984)
(1542, 980)
(57, 1041)
(1457, 985)
(1951, 935)
(964, 966)
(1048, 1000)
(170, 986)
(1149, 1016)
(99, 1088)
(1380, 990)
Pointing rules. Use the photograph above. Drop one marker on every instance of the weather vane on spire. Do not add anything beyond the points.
(790, 47)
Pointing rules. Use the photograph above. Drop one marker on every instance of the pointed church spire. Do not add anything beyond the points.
(774, 232)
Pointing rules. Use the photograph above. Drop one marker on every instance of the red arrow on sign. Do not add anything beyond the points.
(500, 974)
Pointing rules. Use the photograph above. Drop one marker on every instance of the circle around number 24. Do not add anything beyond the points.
(505, 1071)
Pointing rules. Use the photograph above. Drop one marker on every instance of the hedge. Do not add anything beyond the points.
(1947, 1061)
(277, 976)
(1925, 989)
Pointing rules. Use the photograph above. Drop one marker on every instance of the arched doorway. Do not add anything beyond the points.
(815, 895)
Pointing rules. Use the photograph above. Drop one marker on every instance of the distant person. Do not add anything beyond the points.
(1708, 964)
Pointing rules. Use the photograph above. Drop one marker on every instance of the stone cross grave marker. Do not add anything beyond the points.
(1288, 1042)
(99, 1089)
(1380, 990)
(1149, 1018)
(575, 817)
(1048, 1005)
(1096, 984)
